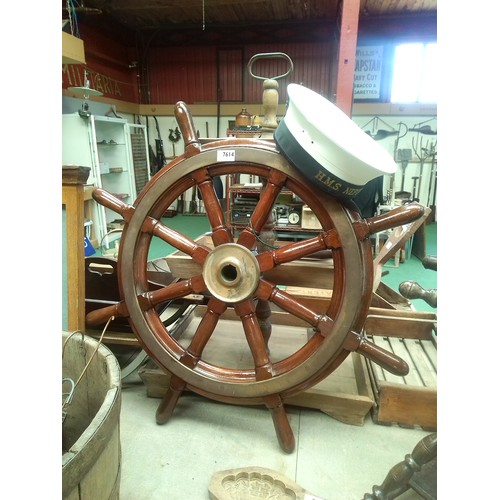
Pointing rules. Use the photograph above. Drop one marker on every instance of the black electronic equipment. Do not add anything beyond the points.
(288, 215)
(241, 215)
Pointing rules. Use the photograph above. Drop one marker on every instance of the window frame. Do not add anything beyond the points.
(419, 91)
(387, 74)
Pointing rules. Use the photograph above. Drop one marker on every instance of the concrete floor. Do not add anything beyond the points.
(332, 460)
(176, 461)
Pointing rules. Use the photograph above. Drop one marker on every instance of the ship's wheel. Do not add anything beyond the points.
(239, 272)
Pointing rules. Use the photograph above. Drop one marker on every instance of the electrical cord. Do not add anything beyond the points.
(257, 237)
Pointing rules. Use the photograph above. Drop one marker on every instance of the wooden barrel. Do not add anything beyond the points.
(91, 453)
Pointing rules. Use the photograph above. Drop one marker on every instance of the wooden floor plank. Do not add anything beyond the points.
(421, 360)
(430, 349)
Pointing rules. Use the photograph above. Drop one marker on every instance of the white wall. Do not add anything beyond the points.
(409, 140)
(413, 141)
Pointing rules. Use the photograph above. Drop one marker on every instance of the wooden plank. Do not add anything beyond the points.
(378, 301)
(416, 407)
(399, 327)
(422, 370)
(426, 370)
(396, 241)
(111, 337)
(419, 243)
(430, 350)
(228, 346)
(338, 395)
(309, 273)
(380, 321)
(361, 375)
(310, 292)
(73, 51)
(278, 317)
(314, 274)
(403, 313)
(391, 296)
(409, 400)
(345, 394)
(72, 201)
(400, 323)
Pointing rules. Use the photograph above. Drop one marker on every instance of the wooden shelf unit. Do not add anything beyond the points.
(116, 152)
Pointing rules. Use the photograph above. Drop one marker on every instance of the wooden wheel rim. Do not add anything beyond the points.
(346, 305)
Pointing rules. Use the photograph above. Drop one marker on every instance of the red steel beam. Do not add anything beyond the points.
(347, 54)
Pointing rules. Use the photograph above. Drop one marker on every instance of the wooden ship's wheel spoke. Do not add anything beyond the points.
(215, 214)
(182, 243)
(261, 213)
(295, 251)
(190, 358)
(177, 290)
(267, 291)
(263, 366)
(149, 300)
(153, 227)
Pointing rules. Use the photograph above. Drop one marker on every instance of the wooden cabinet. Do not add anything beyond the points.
(73, 269)
(116, 152)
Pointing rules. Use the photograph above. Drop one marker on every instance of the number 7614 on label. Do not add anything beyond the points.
(226, 155)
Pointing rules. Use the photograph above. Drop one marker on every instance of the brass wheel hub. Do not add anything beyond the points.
(231, 273)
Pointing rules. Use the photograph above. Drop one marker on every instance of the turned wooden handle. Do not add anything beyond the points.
(430, 262)
(100, 316)
(271, 86)
(412, 290)
(398, 478)
(113, 203)
(385, 359)
(187, 128)
(395, 218)
(270, 103)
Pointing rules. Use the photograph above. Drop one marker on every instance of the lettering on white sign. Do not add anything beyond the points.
(367, 72)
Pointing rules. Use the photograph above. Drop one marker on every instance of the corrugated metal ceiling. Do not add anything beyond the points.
(140, 16)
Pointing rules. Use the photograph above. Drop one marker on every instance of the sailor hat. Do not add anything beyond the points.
(327, 146)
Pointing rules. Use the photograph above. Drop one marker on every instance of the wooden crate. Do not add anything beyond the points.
(411, 400)
(346, 394)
